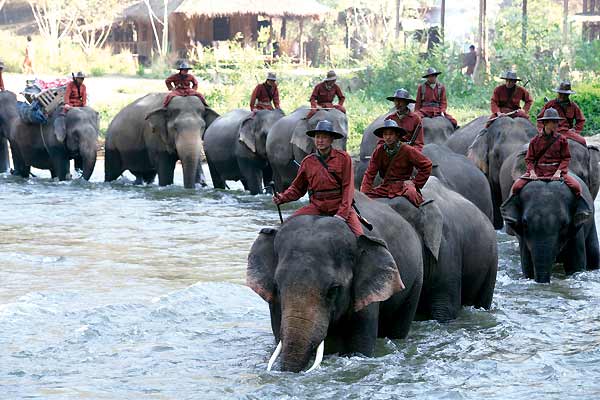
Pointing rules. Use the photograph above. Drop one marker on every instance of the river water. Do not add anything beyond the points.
(115, 291)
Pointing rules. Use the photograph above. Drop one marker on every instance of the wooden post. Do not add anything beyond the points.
(398, 4)
(443, 18)
(283, 27)
(481, 69)
(565, 21)
(524, 25)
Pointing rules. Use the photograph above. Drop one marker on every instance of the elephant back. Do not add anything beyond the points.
(369, 140)
(462, 138)
(437, 130)
(301, 140)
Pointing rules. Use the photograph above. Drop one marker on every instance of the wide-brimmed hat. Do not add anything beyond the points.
(271, 76)
(80, 74)
(431, 71)
(510, 75)
(551, 115)
(184, 66)
(1, 65)
(389, 124)
(331, 76)
(564, 87)
(325, 126)
(401, 94)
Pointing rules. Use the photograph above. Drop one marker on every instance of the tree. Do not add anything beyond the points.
(93, 24)
(161, 45)
(2, 3)
(55, 19)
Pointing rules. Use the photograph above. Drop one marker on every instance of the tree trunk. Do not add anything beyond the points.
(524, 25)
(398, 4)
(565, 21)
(443, 18)
(481, 69)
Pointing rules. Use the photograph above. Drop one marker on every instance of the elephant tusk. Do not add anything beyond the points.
(274, 356)
(318, 357)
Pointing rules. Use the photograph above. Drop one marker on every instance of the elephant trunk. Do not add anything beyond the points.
(189, 150)
(301, 336)
(88, 149)
(543, 255)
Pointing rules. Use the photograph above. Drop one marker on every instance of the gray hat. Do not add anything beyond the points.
(551, 115)
(184, 66)
(271, 76)
(401, 94)
(565, 87)
(511, 76)
(325, 126)
(1, 65)
(389, 124)
(331, 76)
(80, 75)
(431, 71)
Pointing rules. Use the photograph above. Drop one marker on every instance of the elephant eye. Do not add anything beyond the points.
(333, 292)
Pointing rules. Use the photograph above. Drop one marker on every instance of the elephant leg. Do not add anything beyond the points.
(398, 326)
(200, 179)
(166, 169)
(245, 183)
(139, 179)
(20, 168)
(445, 291)
(149, 177)
(363, 331)
(78, 164)
(526, 261)
(218, 181)
(486, 293)
(592, 249)
(4, 162)
(254, 180)
(496, 203)
(575, 258)
(60, 165)
(112, 165)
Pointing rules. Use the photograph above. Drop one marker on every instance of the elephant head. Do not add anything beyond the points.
(180, 126)
(253, 131)
(545, 216)
(314, 272)
(81, 138)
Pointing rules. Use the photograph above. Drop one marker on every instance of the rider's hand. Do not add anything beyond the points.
(532, 175)
(556, 175)
(277, 199)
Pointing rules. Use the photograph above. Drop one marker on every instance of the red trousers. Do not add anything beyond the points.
(183, 93)
(432, 112)
(568, 180)
(396, 189)
(518, 114)
(353, 222)
(570, 134)
(314, 110)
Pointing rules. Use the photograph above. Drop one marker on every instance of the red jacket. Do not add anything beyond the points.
(179, 81)
(434, 99)
(556, 157)
(323, 97)
(396, 170)
(74, 97)
(574, 117)
(325, 190)
(265, 95)
(411, 122)
(502, 103)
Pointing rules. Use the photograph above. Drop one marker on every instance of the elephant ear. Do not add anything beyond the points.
(376, 276)
(247, 136)
(340, 124)
(594, 170)
(511, 211)
(260, 274)
(584, 208)
(519, 167)
(299, 137)
(157, 119)
(478, 151)
(210, 116)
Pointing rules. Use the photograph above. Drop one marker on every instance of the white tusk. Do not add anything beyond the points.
(318, 357)
(274, 356)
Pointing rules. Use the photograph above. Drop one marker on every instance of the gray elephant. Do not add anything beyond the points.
(458, 173)
(460, 251)
(435, 130)
(148, 139)
(8, 114)
(493, 146)
(43, 147)
(462, 138)
(288, 144)
(4, 154)
(324, 285)
(560, 228)
(236, 148)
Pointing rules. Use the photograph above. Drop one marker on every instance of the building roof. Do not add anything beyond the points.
(222, 8)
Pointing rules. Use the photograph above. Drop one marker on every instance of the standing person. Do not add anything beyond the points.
(265, 95)
(328, 177)
(395, 161)
(548, 155)
(470, 60)
(324, 93)
(1, 81)
(431, 98)
(28, 65)
(506, 100)
(573, 120)
(182, 84)
(75, 96)
(406, 119)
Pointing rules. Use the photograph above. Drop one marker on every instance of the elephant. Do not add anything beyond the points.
(584, 164)
(8, 114)
(4, 155)
(552, 225)
(461, 139)
(43, 147)
(493, 146)
(435, 130)
(458, 173)
(147, 139)
(236, 148)
(325, 285)
(460, 252)
(288, 144)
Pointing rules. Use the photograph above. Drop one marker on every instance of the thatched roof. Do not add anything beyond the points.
(223, 8)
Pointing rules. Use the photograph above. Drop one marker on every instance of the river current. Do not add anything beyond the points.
(116, 291)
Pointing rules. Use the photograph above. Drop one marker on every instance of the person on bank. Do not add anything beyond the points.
(395, 162)
(325, 93)
(431, 98)
(406, 119)
(470, 61)
(548, 155)
(507, 98)
(573, 120)
(182, 84)
(328, 177)
(265, 95)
